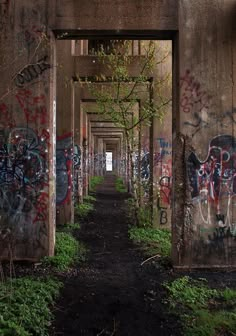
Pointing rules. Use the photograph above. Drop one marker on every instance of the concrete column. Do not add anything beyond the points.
(96, 161)
(27, 132)
(162, 143)
(78, 145)
(205, 150)
(65, 134)
(85, 154)
(100, 156)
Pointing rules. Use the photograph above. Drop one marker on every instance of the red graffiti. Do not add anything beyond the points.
(165, 189)
(41, 208)
(6, 119)
(33, 106)
(192, 94)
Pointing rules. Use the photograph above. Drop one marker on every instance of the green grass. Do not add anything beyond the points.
(94, 182)
(89, 199)
(24, 306)
(142, 214)
(68, 227)
(119, 185)
(67, 251)
(204, 311)
(153, 241)
(83, 209)
(25, 302)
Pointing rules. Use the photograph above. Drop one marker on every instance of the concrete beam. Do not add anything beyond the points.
(77, 15)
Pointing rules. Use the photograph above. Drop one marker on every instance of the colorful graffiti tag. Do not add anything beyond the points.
(163, 169)
(23, 179)
(213, 181)
(64, 157)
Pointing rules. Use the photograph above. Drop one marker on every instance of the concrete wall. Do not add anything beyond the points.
(27, 131)
(119, 14)
(65, 133)
(204, 186)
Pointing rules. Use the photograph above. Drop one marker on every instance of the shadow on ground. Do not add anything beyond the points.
(112, 294)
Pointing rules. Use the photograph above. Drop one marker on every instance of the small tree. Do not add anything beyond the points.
(119, 93)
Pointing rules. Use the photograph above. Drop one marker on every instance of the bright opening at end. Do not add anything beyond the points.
(108, 161)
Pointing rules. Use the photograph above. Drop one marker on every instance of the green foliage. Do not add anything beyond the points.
(94, 182)
(83, 209)
(116, 101)
(205, 311)
(68, 227)
(141, 214)
(67, 251)
(144, 217)
(89, 199)
(154, 241)
(24, 306)
(119, 185)
(190, 292)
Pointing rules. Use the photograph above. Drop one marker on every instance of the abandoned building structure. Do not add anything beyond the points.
(53, 138)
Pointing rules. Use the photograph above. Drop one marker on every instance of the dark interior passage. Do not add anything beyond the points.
(111, 294)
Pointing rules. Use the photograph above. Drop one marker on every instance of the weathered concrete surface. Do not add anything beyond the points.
(205, 219)
(27, 131)
(116, 15)
(65, 134)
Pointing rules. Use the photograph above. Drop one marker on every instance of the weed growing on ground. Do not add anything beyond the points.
(67, 251)
(205, 311)
(143, 214)
(94, 182)
(83, 209)
(119, 185)
(24, 306)
(68, 227)
(153, 241)
(89, 199)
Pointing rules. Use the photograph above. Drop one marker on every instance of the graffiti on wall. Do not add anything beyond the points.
(194, 100)
(31, 72)
(23, 179)
(6, 117)
(213, 182)
(64, 157)
(33, 107)
(25, 144)
(76, 172)
(163, 169)
(30, 37)
(193, 96)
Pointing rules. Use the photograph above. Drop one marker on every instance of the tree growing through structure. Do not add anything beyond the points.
(129, 95)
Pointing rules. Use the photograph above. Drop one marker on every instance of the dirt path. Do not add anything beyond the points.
(111, 294)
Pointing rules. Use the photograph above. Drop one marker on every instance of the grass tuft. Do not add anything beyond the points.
(119, 185)
(67, 251)
(94, 182)
(83, 209)
(204, 311)
(153, 241)
(24, 305)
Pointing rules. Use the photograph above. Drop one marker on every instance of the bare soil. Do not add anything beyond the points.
(111, 293)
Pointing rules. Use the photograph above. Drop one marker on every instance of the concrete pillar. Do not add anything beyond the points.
(162, 141)
(85, 154)
(100, 156)
(65, 134)
(96, 161)
(205, 150)
(78, 142)
(27, 132)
